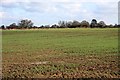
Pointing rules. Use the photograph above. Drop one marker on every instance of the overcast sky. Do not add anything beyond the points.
(43, 12)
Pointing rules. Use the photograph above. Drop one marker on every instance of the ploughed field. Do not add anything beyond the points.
(60, 53)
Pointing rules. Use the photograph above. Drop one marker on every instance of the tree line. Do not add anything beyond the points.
(28, 24)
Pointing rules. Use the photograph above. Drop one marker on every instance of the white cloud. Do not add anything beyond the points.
(6, 1)
(5, 15)
(72, 7)
(2, 14)
(103, 9)
(74, 1)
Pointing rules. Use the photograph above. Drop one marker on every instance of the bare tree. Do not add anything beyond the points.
(2, 27)
(93, 23)
(101, 24)
(62, 24)
(76, 24)
(69, 24)
(25, 23)
(85, 24)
